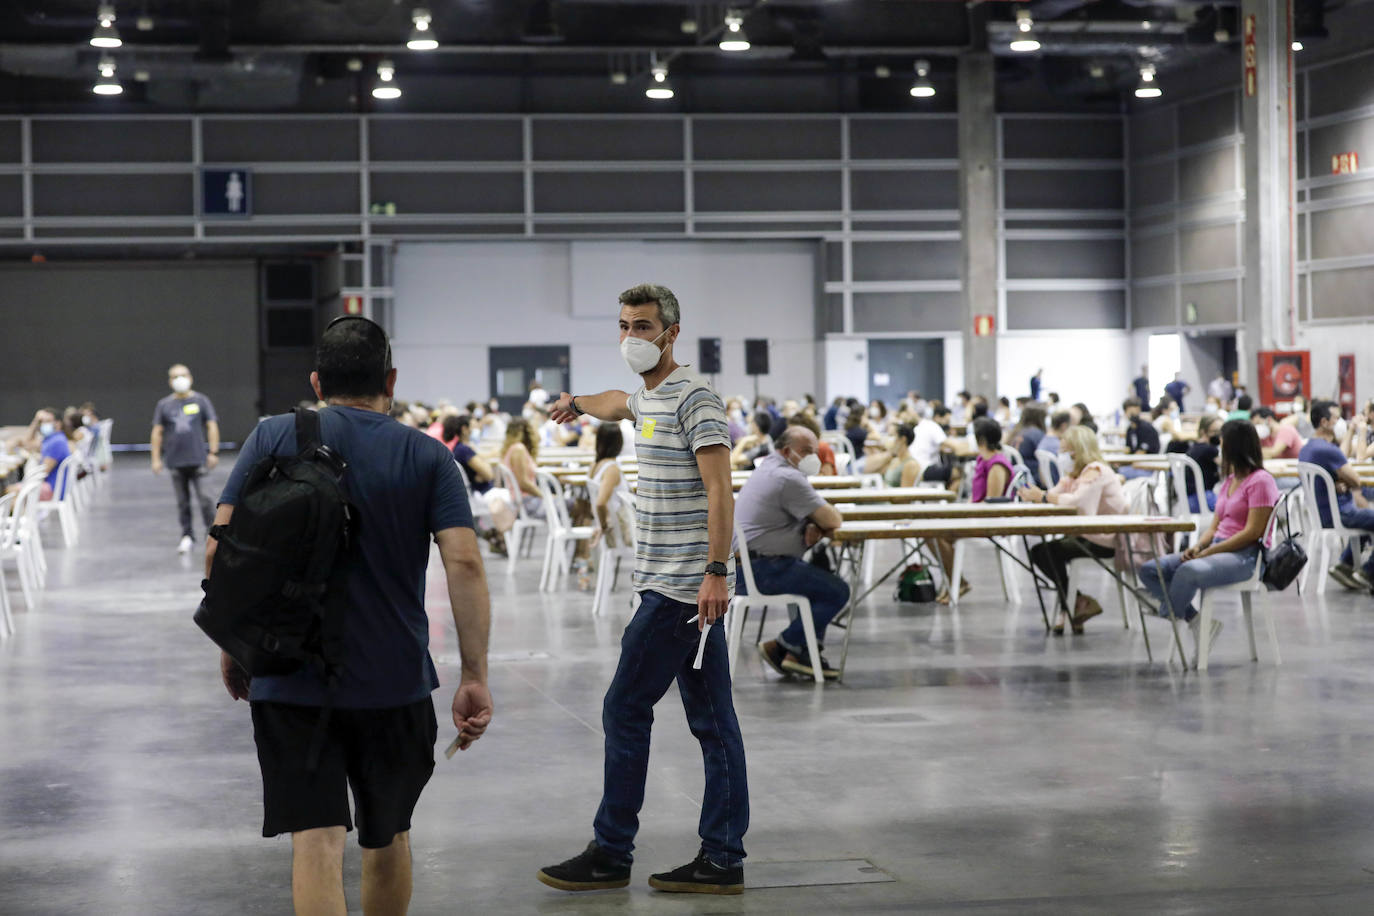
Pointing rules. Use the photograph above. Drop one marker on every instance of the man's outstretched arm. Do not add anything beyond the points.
(608, 405)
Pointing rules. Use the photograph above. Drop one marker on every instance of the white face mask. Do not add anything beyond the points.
(85, 420)
(45, 429)
(527, 413)
(1339, 429)
(736, 414)
(1262, 430)
(810, 465)
(641, 355)
(478, 413)
(874, 412)
(181, 384)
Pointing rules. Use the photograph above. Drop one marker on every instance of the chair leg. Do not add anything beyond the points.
(1121, 602)
(545, 577)
(1248, 611)
(956, 572)
(1323, 564)
(1204, 630)
(809, 628)
(1273, 634)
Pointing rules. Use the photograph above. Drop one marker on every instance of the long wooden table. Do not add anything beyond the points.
(870, 495)
(929, 510)
(1279, 467)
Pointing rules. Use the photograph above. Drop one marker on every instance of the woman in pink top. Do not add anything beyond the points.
(1227, 551)
(1093, 488)
(992, 472)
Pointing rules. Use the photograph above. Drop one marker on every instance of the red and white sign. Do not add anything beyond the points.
(983, 325)
(353, 305)
(1251, 57)
(1345, 163)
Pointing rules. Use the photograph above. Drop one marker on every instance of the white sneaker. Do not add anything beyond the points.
(186, 544)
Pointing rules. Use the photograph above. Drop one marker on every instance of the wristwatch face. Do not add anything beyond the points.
(716, 569)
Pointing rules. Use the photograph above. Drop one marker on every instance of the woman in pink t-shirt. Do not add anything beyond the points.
(1228, 550)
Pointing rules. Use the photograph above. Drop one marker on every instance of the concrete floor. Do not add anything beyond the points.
(983, 765)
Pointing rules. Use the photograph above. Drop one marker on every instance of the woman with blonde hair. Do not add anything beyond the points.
(1093, 488)
(517, 454)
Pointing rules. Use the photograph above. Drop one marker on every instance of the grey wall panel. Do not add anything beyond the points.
(1077, 138)
(732, 191)
(124, 232)
(1153, 306)
(832, 318)
(1072, 258)
(91, 140)
(736, 138)
(1342, 293)
(1152, 184)
(1152, 132)
(1342, 233)
(1300, 143)
(280, 140)
(232, 229)
(591, 139)
(113, 195)
(637, 229)
(1207, 119)
(1207, 248)
(891, 138)
(1334, 139)
(119, 326)
(11, 144)
(1216, 301)
(489, 192)
(735, 227)
(834, 260)
(1335, 88)
(901, 190)
(1066, 310)
(443, 139)
(1352, 186)
(300, 194)
(1152, 256)
(876, 313)
(906, 261)
(11, 195)
(608, 192)
(1088, 189)
(1205, 174)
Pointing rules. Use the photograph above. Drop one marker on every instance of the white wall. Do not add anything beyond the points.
(846, 368)
(1089, 366)
(954, 367)
(1325, 343)
(453, 300)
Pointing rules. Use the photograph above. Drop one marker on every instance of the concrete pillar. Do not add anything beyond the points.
(978, 216)
(1268, 293)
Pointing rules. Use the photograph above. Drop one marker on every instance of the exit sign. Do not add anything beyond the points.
(1345, 163)
(983, 325)
(1250, 57)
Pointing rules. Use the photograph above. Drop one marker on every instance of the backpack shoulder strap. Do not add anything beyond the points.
(307, 431)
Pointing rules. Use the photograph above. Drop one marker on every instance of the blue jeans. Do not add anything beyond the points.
(659, 647)
(1184, 580)
(1211, 501)
(792, 575)
(1352, 517)
(1131, 473)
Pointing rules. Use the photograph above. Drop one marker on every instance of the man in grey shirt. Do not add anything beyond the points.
(185, 439)
(781, 516)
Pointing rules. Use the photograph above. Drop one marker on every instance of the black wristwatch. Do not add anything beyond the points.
(575, 409)
(717, 568)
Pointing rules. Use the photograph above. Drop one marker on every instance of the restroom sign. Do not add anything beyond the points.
(1345, 163)
(226, 192)
(1251, 57)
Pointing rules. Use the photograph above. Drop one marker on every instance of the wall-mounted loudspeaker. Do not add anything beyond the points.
(756, 357)
(708, 355)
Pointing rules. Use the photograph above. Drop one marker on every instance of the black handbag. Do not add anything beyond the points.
(1284, 560)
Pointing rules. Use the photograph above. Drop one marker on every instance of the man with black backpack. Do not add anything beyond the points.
(340, 606)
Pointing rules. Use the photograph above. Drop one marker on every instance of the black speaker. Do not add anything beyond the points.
(756, 357)
(708, 355)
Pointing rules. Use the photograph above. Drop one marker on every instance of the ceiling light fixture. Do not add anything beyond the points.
(660, 88)
(1025, 41)
(882, 72)
(421, 35)
(922, 89)
(733, 38)
(1148, 87)
(107, 84)
(105, 34)
(386, 87)
(1297, 46)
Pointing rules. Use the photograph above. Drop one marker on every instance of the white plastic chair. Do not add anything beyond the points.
(517, 539)
(1181, 470)
(609, 558)
(1324, 536)
(6, 618)
(562, 536)
(1020, 477)
(17, 543)
(740, 605)
(1247, 589)
(1047, 462)
(63, 501)
(1013, 456)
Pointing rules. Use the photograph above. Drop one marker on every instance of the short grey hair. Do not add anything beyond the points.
(662, 296)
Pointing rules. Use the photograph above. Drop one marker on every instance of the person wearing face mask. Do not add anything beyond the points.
(45, 432)
(1352, 508)
(1206, 451)
(683, 576)
(1276, 440)
(1362, 439)
(734, 413)
(185, 439)
(824, 452)
(782, 516)
(1299, 418)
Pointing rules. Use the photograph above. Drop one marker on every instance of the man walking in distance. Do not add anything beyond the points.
(186, 440)
(683, 576)
(379, 740)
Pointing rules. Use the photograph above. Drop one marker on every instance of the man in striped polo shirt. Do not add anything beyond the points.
(684, 575)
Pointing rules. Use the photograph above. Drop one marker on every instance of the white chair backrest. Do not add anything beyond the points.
(1181, 469)
(66, 478)
(1048, 469)
(746, 568)
(505, 477)
(1019, 478)
(840, 443)
(1013, 456)
(557, 507)
(842, 460)
(9, 525)
(467, 484)
(25, 512)
(1310, 475)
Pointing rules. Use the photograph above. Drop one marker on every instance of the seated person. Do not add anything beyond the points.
(1230, 547)
(518, 454)
(1141, 436)
(47, 438)
(1080, 415)
(1351, 506)
(1028, 435)
(855, 431)
(823, 449)
(456, 433)
(992, 473)
(1242, 411)
(1165, 416)
(897, 465)
(1299, 417)
(1362, 434)
(756, 444)
(937, 462)
(782, 516)
(1093, 489)
(1276, 440)
(1205, 450)
(493, 517)
(1060, 422)
(612, 510)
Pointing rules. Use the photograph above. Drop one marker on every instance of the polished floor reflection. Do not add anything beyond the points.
(983, 765)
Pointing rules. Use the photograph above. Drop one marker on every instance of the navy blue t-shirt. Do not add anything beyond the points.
(406, 488)
(1329, 456)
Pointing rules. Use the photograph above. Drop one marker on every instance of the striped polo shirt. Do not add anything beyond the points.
(672, 421)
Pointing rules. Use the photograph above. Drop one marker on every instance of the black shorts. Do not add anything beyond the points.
(937, 471)
(385, 755)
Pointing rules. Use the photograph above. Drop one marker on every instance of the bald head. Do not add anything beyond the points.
(798, 440)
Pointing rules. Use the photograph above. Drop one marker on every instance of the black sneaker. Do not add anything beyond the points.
(773, 654)
(1345, 575)
(801, 664)
(699, 876)
(592, 870)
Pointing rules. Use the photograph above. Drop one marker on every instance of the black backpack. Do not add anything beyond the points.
(275, 600)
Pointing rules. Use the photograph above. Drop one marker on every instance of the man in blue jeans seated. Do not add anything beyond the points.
(782, 515)
(1354, 509)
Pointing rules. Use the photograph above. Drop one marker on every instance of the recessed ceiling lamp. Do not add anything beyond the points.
(733, 38)
(386, 87)
(1025, 41)
(1297, 46)
(660, 88)
(107, 84)
(421, 35)
(1148, 87)
(105, 34)
(922, 89)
